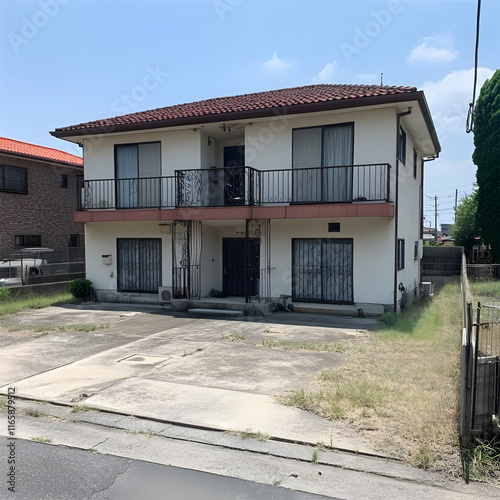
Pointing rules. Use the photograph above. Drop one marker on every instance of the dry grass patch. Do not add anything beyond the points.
(399, 386)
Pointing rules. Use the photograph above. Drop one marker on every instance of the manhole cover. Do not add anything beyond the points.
(142, 359)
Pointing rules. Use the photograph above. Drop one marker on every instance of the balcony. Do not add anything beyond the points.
(241, 186)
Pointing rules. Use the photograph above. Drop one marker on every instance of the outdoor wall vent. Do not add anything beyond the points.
(106, 259)
(334, 227)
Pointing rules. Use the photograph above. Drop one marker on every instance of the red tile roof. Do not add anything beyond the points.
(298, 99)
(40, 152)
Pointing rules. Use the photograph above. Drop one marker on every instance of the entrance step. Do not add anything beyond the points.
(214, 312)
(227, 306)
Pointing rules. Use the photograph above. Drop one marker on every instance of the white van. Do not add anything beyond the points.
(17, 271)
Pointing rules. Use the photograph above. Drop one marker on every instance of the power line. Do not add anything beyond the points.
(450, 188)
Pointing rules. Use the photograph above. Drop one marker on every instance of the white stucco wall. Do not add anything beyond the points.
(268, 144)
(409, 216)
(180, 149)
(372, 254)
(100, 239)
(211, 260)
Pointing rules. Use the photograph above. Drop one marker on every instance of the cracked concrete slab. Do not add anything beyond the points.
(203, 372)
(342, 475)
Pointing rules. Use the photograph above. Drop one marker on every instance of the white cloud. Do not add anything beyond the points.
(436, 48)
(275, 63)
(327, 73)
(449, 98)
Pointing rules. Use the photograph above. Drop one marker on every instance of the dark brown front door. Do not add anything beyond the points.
(237, 274)
(234, 175)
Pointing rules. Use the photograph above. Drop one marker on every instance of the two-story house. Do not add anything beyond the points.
(312, 192)
(38, 198)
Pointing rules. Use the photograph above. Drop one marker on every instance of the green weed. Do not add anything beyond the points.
(260, 436)
(41, 439)
(483, 461)
(16, 304)
(84, 327)
(32, 412)
(236, 337)
(4, 294)
(81, 408)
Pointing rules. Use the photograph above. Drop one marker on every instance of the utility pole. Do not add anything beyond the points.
(456, 199)
(436, 219)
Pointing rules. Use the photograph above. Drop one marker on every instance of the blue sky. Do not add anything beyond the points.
(69, 61)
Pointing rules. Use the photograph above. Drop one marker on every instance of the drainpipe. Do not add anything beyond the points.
(431, 158)
(396, 207)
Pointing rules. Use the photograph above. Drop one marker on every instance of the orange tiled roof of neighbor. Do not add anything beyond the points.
(40, 152)
(294, 99)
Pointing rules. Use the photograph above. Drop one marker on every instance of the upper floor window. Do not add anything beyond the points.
(401, 254)
(328, 146)
(13, 179)
(402, 146)
(133, 161)
(415, 159)
(64, 181)
(138, 168)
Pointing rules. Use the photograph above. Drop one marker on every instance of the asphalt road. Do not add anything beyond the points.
(45, 471)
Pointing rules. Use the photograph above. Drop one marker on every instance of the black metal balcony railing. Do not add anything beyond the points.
(217, 187)
(150, 192)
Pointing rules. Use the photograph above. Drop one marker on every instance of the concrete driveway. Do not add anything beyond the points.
(149, 362)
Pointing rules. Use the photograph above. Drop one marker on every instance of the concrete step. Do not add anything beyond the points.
(214, 312)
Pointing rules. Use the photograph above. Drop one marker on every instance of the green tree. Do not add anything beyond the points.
(464, 231)
(487, 159)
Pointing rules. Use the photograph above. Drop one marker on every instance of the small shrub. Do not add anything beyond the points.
(4, 294)
(387, 319)
(81, 288)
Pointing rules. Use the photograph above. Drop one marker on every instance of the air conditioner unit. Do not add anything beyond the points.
(426, 290)
(165, 294)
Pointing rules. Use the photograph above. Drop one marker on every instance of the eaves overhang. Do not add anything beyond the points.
(267, 112)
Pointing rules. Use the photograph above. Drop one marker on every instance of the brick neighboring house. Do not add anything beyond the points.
(38, 197)
(312, 192)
